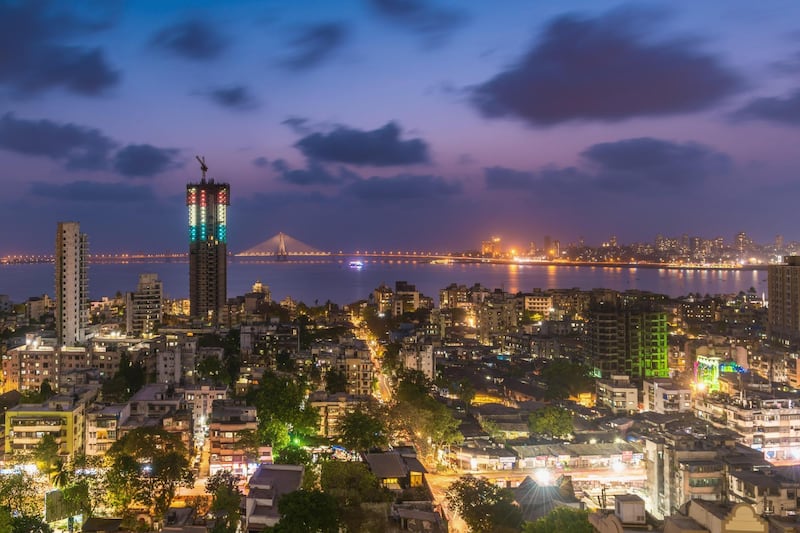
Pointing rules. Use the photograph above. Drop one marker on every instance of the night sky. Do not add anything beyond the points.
(399, 124)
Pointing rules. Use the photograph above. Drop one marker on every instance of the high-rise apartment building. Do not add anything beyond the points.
(628, 339)
(143, 307)
(783, 293)
(208, 203)
(72, 295)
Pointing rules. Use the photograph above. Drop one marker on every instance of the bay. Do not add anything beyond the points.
(335, 281)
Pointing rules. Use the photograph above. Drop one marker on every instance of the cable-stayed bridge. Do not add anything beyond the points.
(281, 246)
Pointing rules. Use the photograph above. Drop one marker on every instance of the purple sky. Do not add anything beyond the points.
(399, 123)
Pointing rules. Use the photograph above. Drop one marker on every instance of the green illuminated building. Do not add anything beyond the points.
(627, 338)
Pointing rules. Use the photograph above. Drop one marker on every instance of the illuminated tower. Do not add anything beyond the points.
(72, 295)
(208, 246)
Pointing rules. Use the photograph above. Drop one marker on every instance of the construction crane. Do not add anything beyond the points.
(203, 166)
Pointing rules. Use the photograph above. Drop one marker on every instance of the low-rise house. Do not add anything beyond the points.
(396, 471)
(267, 485)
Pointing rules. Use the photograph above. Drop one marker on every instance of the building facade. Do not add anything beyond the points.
(627, 339)
(143, 312)
(207, 204)
(783, 292)
(72, 294)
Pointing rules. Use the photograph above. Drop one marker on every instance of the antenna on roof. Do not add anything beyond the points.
(203, 166)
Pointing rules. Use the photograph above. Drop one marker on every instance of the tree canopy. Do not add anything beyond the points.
(147, 466)
(363, 429)
(226, 500)
(484, 506)
(421, 414)
(561, 520)
(565, 378)
(350, 483)
(551, 422)
(307, 511)
(282, 410)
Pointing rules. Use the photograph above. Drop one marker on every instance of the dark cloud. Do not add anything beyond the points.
(236, 97)
(605, 69)
(314, 174)
(502, 178)
(433, 23)
(629, 165)
(402, 187)
(191, 39)
(261, 162)
(790, 65)
(33, 58)
(299, 125)
(79, 147)
(772, 109)
(144, 160)
(645, 161)
(380, 147)
(93, 192)
(313, 45)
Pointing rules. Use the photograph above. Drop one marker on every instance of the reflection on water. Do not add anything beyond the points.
(337, 282)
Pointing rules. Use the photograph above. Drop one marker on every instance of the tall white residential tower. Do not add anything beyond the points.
(72, 295)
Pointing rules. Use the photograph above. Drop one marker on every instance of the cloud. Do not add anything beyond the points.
(92, 192)
(604, 69)
(314, 174)
(261, 162)
(191, 39)
(629, 165)
(34, 59)
(380, 147)
(144, 160)
(433, 23)
(503, 178)
(402, 187)
(646, 161)
(772, 109)
(236, 97)
(314, 44)
(79, 147)
(299, 125)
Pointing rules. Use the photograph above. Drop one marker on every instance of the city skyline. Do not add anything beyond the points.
(381, 123)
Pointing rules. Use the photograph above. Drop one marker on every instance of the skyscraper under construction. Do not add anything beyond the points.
(207, 204)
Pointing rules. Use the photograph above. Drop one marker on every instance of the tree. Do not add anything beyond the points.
(122, 476)
(565, 378)
(483, 505)
(45, 454)
(249, 441)
(561, 520)
(130, 377)
(363, 430)
(22, 492)
(421, 414)
(167, 473)
(226, 500)
(307, 511)
(350, 483)
(390, 362)
(282, 410)
(551, 422)
(465, 392)
(148, 465)
(293, 455)
(335, 381)
(61, 475)
(29, 524)
(87, 474)
(212, 369)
